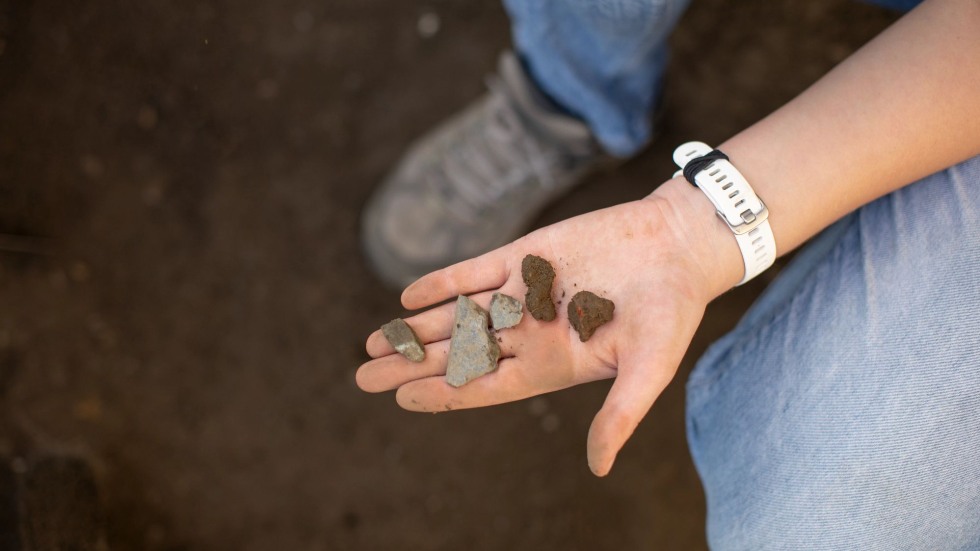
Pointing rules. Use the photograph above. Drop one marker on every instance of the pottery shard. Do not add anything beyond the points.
(505, 311)
(473, 351)
(587, 311)
(538, 276)
(404, 340)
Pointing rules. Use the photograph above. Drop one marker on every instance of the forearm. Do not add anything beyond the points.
(904, 106)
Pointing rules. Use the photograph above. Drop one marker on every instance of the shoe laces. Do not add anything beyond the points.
(496, 156)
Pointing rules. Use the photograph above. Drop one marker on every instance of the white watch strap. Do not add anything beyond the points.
(736, 204)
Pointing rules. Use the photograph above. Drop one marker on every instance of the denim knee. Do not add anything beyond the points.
(842, 412)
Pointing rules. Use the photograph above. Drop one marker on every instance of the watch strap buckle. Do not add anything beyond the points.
(750, 220)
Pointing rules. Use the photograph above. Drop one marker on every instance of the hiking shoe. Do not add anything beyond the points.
(476, 182)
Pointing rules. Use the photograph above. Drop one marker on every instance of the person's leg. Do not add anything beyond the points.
(843, 412)
(602, 60)
(590, 75)
(901, 5)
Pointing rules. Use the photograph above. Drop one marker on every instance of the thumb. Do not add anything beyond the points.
(632, 394)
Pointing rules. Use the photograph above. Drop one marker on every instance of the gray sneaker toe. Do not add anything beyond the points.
(476, 181)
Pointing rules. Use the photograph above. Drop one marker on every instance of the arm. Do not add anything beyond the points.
(904, 106)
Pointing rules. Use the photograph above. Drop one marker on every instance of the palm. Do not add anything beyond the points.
(627, 254)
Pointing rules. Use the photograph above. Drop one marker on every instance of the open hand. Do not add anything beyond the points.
(647, 256)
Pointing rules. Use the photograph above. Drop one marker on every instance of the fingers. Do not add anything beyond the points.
(507, 384)
(488, 271)
(392, 371)
(630, 398)
(430, 326)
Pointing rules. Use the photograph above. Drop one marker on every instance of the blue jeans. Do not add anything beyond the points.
(604, 60)
(843, 412)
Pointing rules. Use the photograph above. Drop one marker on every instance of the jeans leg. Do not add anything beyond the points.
(900, 5)
(843, 412)
(602, 60)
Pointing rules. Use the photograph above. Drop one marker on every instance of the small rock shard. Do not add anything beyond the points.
(587, 312)
(403, 339)
(473, 351)
(505, 311)
(538, 276)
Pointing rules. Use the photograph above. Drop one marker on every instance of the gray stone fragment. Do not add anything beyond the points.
(505, 311)
(403, 339)
(472, 350)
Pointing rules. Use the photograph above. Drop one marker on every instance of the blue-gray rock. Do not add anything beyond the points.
(473, 351)
(505, 311)
(403, 339)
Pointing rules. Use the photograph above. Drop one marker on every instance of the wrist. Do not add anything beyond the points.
(708, 241)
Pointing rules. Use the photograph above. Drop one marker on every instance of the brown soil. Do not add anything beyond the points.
(587, 312)
(538, 276)
(199, 167)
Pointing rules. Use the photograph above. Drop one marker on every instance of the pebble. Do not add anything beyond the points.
(505, 311)
(428, 24)
(473, 351)
(404, 340)
(587, 312)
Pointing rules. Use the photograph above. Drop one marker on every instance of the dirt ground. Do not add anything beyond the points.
(183, 302)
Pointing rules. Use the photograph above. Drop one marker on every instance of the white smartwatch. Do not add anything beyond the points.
(735, 203)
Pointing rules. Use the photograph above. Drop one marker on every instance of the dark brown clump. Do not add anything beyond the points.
(538, 276)
(587, 311)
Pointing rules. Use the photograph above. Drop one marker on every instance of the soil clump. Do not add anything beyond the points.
(538, 276)
(505, 311)
(587, 312)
